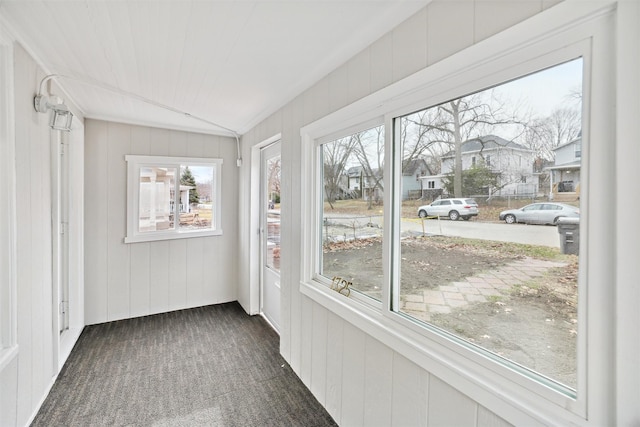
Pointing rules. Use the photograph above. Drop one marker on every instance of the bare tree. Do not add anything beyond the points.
(368, 148)
(336, 156)
(543, 135)
(574, 96)
(273, 178)
(453, 122)
(415, 132)
(566, 124)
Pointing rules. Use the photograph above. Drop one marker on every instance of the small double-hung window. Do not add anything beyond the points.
(172, 198)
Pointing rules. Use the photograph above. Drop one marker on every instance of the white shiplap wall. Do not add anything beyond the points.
(130, 280)
(33, 207)
(357, 378)
(25, 381)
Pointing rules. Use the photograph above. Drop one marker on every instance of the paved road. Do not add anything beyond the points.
(542, 235)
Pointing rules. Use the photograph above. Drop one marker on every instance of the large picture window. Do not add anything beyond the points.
(485, 264)
(484, 258)
(171, 198)
(481, 188)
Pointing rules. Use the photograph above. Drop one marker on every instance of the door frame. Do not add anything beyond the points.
(8, 220)
(73, 255)
(264, 152)
(255, 264)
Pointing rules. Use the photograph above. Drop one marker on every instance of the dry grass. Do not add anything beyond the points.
(354, 207)
(204, 214)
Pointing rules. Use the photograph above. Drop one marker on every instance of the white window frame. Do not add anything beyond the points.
(8, 282)
(562, 33)
(134, 163)
(319, 191)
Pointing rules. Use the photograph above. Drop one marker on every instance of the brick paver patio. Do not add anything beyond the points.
(475, 289)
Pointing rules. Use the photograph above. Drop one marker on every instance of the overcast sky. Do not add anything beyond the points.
(547, 89)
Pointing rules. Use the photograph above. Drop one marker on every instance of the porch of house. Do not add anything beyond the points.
(565, 196)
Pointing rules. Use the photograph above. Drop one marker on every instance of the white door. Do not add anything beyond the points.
(270, 234)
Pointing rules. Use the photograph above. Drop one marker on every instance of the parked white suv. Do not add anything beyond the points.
(450, 208)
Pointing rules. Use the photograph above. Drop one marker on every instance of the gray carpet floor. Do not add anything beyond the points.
(208, 366)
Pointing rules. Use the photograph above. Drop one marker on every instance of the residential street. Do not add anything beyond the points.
(518, 233)
(542, 235)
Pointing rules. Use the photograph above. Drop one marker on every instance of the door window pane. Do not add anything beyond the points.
(273, 171)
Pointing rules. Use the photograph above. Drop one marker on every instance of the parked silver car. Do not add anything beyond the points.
(450, 208)
(540, 213)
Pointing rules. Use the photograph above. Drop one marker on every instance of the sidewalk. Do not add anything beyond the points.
(474, 289)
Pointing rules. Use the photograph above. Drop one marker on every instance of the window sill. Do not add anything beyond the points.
(171, 236)
(480, 377)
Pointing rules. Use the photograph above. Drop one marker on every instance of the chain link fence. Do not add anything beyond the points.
(344, 228)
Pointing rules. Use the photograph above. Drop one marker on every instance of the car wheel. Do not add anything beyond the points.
(555, 220)
(422, 213)
(454, 215)
(509, 219)
(466, 218)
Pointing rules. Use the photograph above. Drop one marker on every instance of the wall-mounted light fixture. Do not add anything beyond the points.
(61, 117)
(62, 114)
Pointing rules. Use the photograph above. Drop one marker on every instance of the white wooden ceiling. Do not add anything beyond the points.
(229, 62)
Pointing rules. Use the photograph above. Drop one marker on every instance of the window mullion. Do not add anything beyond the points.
(176, 198)
(391, 239)
(318, 213)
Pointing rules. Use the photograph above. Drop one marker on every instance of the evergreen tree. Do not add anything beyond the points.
(187, 179)
(475, 181)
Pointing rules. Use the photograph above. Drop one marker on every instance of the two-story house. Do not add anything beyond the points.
(354, 179)
(511, 162)
(363, 184)
(565, 172)
(366, 185)
(412, 172)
